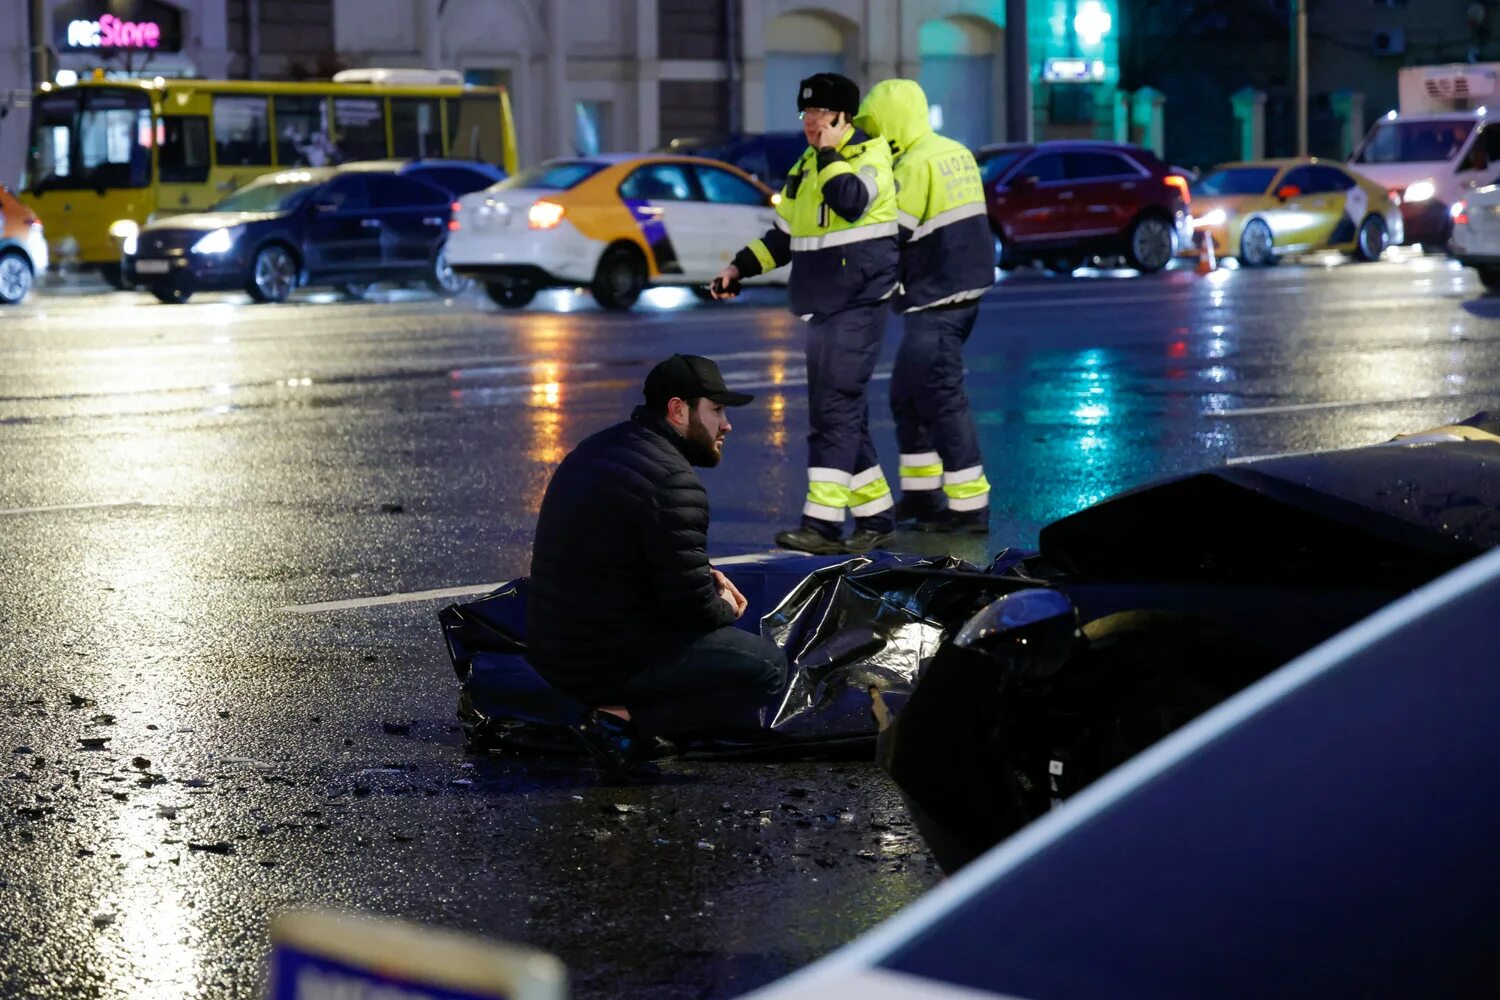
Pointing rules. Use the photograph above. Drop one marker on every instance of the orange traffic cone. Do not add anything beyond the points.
(1206, 262)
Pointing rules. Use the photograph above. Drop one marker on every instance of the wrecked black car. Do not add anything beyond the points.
(1144, 611)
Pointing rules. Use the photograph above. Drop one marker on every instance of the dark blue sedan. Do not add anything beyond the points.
(346, 227)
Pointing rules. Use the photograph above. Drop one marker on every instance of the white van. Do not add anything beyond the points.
(1429, 162)
(1440, 145)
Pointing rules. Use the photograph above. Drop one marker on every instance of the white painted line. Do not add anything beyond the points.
(4, 512)
(478, 588)
(370, 602)
(1245, 459)
(1251, 411)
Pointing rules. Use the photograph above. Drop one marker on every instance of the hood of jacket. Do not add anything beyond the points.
(895, 110)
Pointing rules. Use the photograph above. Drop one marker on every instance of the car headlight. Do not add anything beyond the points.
(126, 231)
(218, 241)
(1420, 191)
(1215, 218)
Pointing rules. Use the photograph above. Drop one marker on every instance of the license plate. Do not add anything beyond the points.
(153, 266)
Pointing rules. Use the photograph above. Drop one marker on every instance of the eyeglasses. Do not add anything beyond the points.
(817, 113)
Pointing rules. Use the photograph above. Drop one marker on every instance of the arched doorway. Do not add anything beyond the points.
(799, 44)
(961, 73)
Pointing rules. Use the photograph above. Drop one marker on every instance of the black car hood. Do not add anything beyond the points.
(207, 221)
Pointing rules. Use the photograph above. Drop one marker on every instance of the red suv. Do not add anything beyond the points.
(1062, 204)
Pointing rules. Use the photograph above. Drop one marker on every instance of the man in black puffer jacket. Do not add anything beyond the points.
(623, 608)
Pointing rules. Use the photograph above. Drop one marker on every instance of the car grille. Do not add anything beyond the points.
(159, 242)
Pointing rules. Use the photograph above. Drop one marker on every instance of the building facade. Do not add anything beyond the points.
(632, 74)
(587, 75)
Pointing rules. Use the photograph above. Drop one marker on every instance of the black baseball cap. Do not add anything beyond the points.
(687, 376)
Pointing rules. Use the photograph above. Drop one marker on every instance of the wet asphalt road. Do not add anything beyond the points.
(188, 749)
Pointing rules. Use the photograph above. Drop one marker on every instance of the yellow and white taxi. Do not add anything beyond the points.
(615, 224)
(1262, 210)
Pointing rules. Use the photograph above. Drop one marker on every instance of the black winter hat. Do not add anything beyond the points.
(828, 90)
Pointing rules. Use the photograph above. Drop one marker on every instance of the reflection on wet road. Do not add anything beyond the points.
(183, 756)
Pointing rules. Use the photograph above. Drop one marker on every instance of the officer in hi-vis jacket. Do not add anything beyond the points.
(947, 264)
(836, 224)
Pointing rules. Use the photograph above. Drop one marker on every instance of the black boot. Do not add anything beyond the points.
(871, 532)
(809, 539)
(959, 522)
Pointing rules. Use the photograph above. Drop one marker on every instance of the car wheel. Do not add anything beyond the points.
(1152, 244)
(354, 291)
(1257, 245)
(1373, 238)
(442, 279)
(273, 276)
(1489, 277)
(114, 276)
(620, 278)
(15, 277)
(511, 294)
(171, 294)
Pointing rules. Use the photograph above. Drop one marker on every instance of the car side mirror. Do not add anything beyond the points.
(1288, 191)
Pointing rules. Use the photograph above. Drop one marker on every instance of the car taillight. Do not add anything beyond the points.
(1460, 213)
(544, 215)
(1181, 184)
(453, 222)
(1395, 194)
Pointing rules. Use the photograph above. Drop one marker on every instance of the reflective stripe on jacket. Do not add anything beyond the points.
(947, 251)
(836, 224)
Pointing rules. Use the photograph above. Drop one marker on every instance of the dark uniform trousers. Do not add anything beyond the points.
(842, 350)
(927, 386)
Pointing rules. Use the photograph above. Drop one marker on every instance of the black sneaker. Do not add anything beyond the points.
(959, 522)
(919, 506)
(806, 539)
(865, 539)
(616, 745)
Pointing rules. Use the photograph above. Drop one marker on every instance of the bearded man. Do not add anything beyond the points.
(624, 611)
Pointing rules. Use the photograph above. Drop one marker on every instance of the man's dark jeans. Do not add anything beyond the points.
(713, 684)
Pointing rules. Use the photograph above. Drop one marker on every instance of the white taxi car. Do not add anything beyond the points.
(614, 224)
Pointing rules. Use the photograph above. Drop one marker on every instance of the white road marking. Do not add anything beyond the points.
(370, 602)
(477, 589)
(1251, 411)
(7, 511)
(1247, 459)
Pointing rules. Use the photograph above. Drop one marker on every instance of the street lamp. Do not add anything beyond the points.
(1092, 22)
(1298, 11)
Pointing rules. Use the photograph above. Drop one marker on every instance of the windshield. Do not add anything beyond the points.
(267, 197)
(993, 166)
(559, 175)
(1237, 180)
(1414, 141)
(95, 137)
